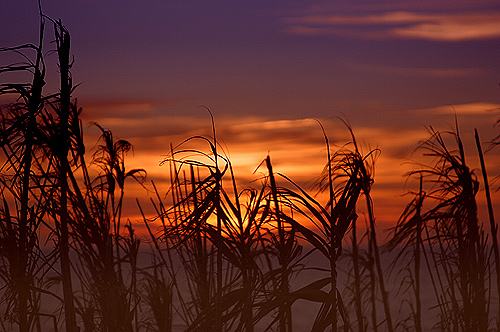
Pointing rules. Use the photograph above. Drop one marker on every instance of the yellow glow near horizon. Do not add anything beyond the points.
(297, 150)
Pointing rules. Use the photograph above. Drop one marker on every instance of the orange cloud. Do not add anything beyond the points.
(297, 148)
(465, 109)
(401, 24)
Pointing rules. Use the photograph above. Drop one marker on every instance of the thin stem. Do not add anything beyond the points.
(493, 226)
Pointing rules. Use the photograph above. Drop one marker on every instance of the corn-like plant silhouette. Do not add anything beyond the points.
(22, 260)
(450, 236)
(235, 236)
(219, 256)
(101, 247)
(331, 221)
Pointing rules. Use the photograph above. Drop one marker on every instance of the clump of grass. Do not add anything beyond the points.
(350, 169)
(450, 236)
(224, 257)
(235, 238)
(20, 252)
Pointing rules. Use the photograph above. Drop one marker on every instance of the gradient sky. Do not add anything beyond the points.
(264, 68)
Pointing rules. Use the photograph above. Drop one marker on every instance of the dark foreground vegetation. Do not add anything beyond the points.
(224, 259)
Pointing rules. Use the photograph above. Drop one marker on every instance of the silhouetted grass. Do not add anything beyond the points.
(219, 257)
(450, 235)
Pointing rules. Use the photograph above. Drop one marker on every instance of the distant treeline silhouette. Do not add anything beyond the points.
(224, 259)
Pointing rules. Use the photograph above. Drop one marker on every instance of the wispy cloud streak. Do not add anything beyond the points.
(463, 109)
(401, 24)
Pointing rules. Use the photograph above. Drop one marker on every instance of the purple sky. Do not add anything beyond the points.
(288, 59)
(263, 67)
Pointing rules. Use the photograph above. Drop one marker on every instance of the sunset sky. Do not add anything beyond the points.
(266, 68)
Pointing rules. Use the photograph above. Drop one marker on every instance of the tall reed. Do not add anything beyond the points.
(63, 52)
(455, 246)
(329, 222)
(235, 237)
(491, 218)
(287, 251)
(19, 238)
